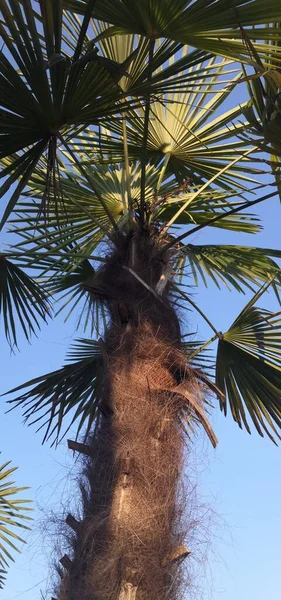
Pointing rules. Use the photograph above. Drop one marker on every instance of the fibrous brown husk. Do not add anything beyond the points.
(131, 522)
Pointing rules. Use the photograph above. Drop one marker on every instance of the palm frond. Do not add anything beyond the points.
(66, 277)
(202, 24)
(248, 370)
(72, 290)
(23, 303)
(237, 266)
(78, 216)
(207, 206)
(263, 111)
(72, 392)
(187, 130)
(46, 91)
(83, 223)
(171, 68)
(12, 518)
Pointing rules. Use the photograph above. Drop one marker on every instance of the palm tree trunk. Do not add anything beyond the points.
(124, 547)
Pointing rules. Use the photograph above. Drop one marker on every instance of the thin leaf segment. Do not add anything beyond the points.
(13, 518)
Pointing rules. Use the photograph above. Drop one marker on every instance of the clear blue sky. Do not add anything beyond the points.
(239, 481)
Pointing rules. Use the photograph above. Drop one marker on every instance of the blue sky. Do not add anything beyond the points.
(239, 484)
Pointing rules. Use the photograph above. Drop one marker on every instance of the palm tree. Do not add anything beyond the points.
(115, 149)
(12, 518)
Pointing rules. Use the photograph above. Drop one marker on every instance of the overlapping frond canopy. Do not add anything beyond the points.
(212, 26)
(116, 112)
(54, 83)
(188, 131)
(263, 113)
(45, 92)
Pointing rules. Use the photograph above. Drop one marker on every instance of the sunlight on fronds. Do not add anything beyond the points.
(13, 518)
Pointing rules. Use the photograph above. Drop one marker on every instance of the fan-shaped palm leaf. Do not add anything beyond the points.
(204, 208)
(12, 518)
(74, 391)
(64, 275)
(129, 55)
(212, 26)
(84, 225)
(187, 130)
(263, 111)
(72, 289)
(45, 91)
(198, 356)
(248, 370)
(237, 266)
(172, 67)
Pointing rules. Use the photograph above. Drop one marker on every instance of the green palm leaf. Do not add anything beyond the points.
(12, 518)
(204, 208)
(187, 130)
(72, 392)
(248, 370)
(23, 303)
(236, 266)
(46, 91)
(212, 26)
(83, 223)
(263, 111)
(72, 289)
(198, 356)
(171, 67)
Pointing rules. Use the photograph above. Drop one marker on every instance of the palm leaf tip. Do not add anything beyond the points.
(239, 267)
(213, 25)
(13, 517)
(3, 574)
(69, 395)
(23, 303)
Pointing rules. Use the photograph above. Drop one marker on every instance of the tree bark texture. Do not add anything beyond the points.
(131, 521)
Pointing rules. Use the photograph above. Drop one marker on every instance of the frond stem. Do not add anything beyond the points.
(145, 130)
(205, 186)
(218, 218)
(82, 34)
(210, 341)
(127, 168)
(194, 305)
